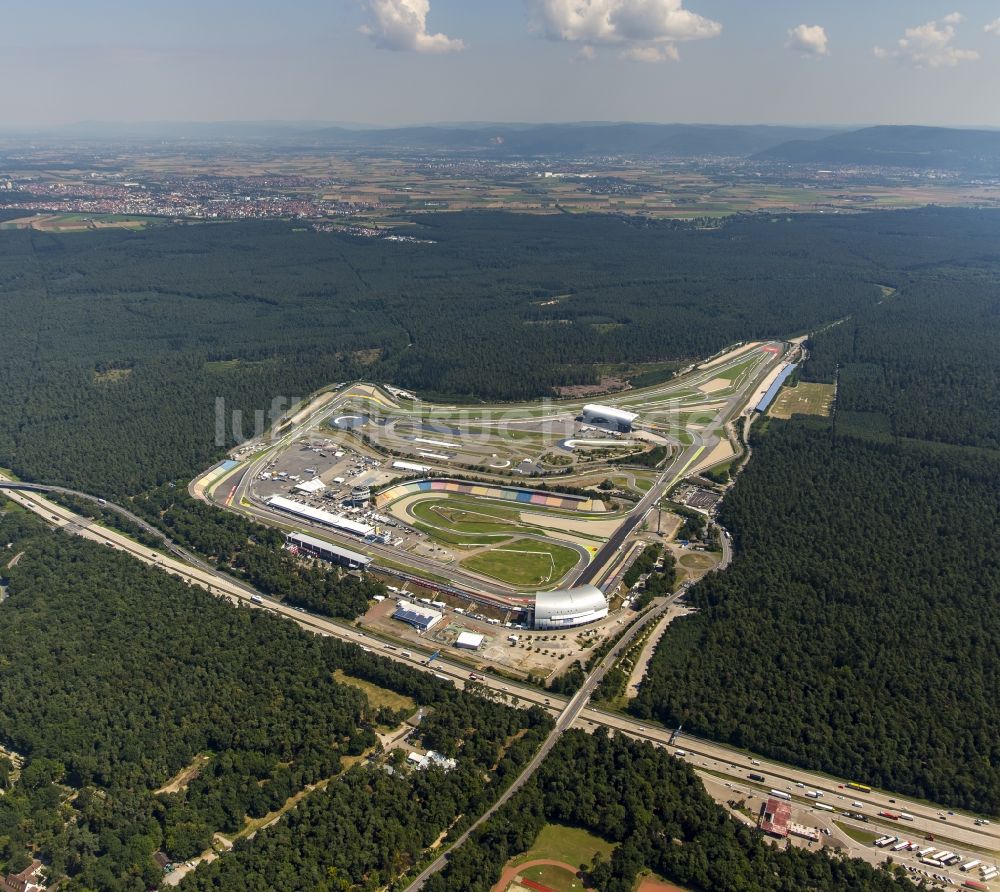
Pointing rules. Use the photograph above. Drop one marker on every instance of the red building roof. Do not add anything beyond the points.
(775, 817)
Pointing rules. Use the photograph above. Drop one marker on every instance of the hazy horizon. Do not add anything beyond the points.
(389, 63)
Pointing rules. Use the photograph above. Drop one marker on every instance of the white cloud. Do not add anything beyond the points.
(651, 53)
(647, 29)
(402, 25)
(930, 45)
(808, 39)
(993, 27)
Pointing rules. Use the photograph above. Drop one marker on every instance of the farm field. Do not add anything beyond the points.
(524, 562)
(65, 223)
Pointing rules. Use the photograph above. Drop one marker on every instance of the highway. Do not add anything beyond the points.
(569, 715)
(712, 759)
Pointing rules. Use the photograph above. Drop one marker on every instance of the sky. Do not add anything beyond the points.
(394, 62)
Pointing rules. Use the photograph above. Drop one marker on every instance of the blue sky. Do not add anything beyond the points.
(412, 61)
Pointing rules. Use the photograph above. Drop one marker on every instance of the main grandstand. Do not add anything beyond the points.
(562, 608)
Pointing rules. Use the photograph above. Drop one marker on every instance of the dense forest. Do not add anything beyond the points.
(657, 811)
(854, 631)
(117, 676)
(118, 344)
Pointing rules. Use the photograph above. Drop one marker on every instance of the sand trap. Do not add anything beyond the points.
(715, 385)
(723, 451)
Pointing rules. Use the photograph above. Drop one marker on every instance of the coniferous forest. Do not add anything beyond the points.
(117, 676)
(854, 633)
(117, 344)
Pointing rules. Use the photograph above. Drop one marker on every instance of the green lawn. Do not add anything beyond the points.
(856, 833)
(524, 562)
(570, 844)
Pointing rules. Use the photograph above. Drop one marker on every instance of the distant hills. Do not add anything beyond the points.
(672, 140)
(969, 151)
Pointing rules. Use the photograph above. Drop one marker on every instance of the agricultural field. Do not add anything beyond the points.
(66, 223)
(524, 562)
(805, 398)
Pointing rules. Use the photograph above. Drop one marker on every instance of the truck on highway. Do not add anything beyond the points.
(861, 788)
(756, 777)
(903, 816)
(780, 794)
(813, 794)
(891, 815)
(823, 807)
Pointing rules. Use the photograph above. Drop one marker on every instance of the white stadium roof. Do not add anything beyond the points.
(608, 413)
(569, 607)
(320, 516)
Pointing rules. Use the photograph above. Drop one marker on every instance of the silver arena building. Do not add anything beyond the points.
(562, 608)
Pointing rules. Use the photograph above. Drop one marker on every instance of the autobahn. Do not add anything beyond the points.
(708, 757)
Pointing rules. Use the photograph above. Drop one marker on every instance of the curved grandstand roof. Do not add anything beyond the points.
(570, 606)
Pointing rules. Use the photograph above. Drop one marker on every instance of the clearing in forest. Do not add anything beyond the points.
(806, 398)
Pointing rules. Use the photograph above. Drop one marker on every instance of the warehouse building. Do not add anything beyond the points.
(469, 640)
(327, 551)
(562, 608)
(421, 618)
(311, 487)
(609, 417)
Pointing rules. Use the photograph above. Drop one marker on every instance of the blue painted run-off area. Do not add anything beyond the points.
(772, 391)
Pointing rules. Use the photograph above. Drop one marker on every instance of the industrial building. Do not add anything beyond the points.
(327, 551)
(608, 416)
(319, 516)
(421, 618)
(469, 640)
(311, 487)
(562, 608)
